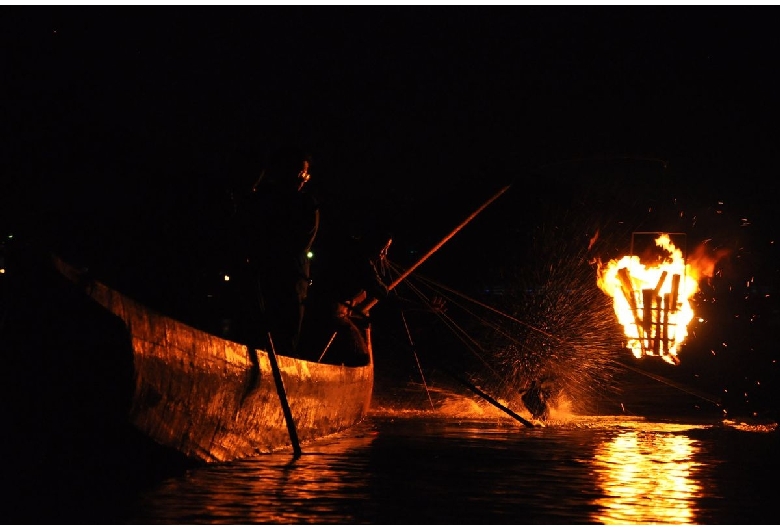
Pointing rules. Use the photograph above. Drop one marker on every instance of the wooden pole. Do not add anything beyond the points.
(492, 401)
(327, 346)
(647, 319)
(660, 283)
(283, 398)
(658, 316)
(628, 293)
(665, 328)
(675, 292)
(428, 254)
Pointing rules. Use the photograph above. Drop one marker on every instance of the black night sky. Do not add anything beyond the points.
(408, 111)
(126, 129)
(398, 104)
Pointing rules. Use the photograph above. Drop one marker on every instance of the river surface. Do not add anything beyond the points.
(401, 467)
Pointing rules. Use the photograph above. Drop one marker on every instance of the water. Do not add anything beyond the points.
(402, 467)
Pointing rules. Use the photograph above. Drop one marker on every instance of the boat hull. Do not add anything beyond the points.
(216, 400)
(90, 369)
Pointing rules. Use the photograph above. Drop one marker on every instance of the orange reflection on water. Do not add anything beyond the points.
(646, 478)
(275, 488)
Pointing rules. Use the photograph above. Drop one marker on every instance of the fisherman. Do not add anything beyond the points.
(280, 225)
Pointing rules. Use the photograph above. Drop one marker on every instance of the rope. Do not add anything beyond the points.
(471, 344)
(452, 297)
(417, 360)
(676, 386)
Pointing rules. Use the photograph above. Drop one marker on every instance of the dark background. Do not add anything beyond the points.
(127, 130)
(408, 112)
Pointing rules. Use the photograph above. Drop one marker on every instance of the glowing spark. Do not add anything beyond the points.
(593, 240)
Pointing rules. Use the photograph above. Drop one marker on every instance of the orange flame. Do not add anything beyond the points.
(651, 297)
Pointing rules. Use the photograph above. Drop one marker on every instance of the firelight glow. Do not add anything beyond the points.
(652, 299)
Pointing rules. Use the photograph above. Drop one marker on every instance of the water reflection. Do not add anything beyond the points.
(426, 470)
(647, 478)
(273, 489)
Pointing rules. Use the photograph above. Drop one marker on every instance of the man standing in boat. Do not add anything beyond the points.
(281, 223)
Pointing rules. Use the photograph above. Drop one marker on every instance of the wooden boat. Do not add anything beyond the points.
(93, 371)
(87, 360)
(212, 399)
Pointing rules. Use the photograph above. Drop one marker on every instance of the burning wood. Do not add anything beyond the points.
(628, 293)
(675, 293)
(658, 326)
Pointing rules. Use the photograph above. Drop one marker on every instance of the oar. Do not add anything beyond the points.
(288, 418)
(492, 401)
(436, 247)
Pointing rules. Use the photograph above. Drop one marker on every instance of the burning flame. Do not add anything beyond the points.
(651, 297)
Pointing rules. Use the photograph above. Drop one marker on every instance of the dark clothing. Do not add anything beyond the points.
(280, 226)
(347, 274)
(348, 267)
